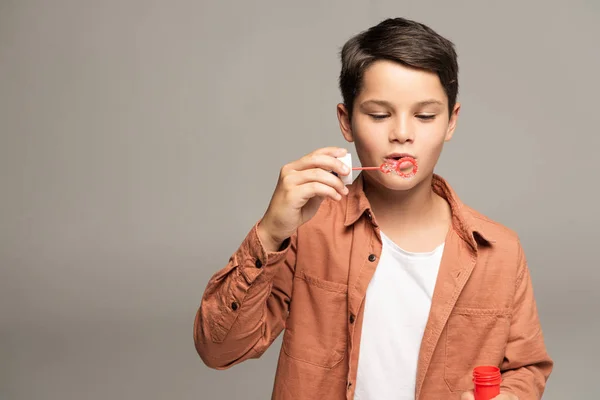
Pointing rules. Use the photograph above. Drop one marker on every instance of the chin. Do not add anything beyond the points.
(398, 183)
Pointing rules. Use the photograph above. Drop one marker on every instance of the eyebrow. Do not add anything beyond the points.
(377, 102)
(388, 104)
(430, 102)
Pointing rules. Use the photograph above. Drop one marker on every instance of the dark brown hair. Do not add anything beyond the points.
(403, 41)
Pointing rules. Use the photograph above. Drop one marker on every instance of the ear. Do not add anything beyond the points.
(453, 122)
(345, 123)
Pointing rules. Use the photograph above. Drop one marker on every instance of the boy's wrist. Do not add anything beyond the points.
(269, 242)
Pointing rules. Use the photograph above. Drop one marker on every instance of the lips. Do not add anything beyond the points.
(398, 156)
(398, 162)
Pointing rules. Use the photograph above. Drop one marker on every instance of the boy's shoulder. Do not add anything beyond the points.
(500, 235)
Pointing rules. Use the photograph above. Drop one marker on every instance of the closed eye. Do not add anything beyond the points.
(378, 116)
(426, 117)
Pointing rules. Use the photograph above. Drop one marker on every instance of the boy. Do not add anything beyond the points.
(391, 288)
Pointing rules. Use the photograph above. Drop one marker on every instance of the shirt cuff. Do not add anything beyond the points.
(253, 259)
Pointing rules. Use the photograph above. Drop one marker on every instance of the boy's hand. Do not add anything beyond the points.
(501, 396)
(302, 186)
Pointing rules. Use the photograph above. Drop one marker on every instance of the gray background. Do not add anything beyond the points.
(140, 140)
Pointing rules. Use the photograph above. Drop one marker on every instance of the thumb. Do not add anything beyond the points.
(467, 396)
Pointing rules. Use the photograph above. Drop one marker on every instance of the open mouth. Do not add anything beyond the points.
(404, 165)
(398, 157)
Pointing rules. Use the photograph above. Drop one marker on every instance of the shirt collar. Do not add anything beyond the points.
(466, 225)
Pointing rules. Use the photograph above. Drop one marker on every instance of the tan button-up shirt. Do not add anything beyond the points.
(483, 309)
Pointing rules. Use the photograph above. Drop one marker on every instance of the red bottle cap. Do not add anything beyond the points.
(486, 379)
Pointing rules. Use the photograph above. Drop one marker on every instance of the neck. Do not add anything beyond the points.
(416, 208)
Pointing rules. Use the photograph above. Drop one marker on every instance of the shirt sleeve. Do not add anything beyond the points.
(245, 304)
(527, 365)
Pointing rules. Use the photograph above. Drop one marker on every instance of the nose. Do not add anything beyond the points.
(402, 130)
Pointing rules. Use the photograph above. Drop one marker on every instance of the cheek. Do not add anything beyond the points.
(434, 134)
(432, 142)
(368, 135)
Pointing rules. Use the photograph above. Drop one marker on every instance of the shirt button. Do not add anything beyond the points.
(258, 263)
(352, 318)
(372, 257)
(234, 306)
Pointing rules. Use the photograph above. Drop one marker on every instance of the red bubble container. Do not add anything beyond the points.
(486, 379)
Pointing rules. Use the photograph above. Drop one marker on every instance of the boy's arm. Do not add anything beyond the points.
(526, 365)
(245, 305)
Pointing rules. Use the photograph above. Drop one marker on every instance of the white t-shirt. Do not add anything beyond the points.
(396, 311)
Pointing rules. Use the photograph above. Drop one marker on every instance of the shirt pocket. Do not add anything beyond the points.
(474, 336)
(316, 329)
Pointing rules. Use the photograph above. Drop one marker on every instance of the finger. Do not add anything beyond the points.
(467, 396)
(323, 161)
(313, 189)
(318, 175)
(331, 151)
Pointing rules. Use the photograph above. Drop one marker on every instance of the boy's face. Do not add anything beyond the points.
(399, 110)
